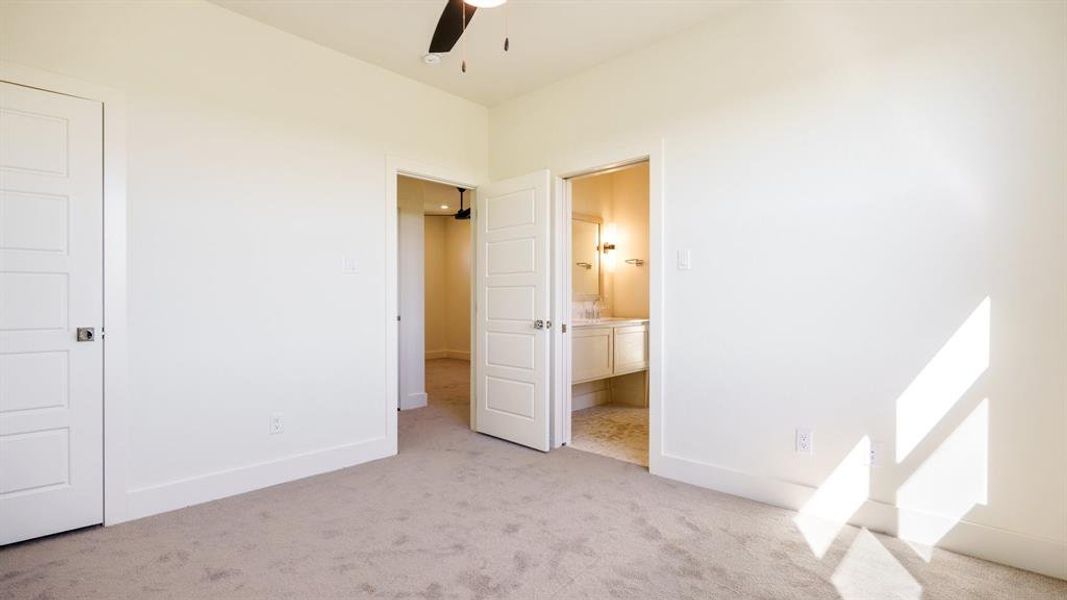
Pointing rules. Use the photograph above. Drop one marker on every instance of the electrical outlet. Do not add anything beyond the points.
(276, 425)
(805, 441)
(875, 454)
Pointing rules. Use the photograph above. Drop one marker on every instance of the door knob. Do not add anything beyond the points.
(539, 324)
(86, 334)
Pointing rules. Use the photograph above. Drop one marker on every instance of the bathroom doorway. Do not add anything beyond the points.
(609, 304)
(434, 260)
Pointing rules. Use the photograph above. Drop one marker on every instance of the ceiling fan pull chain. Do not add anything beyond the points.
(463, 38)
(507, 36)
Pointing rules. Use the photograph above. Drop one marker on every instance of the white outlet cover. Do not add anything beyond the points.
(877, 452)
(805, 441)
(276, 423)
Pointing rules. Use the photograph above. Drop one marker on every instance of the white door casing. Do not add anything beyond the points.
(512, 367)
(51, 283)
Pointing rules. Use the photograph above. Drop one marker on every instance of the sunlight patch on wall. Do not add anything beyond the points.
(836, 500)
(943, 381)
(948, 484)
(868, 570)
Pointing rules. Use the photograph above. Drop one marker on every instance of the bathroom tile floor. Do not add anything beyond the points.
(619, 432)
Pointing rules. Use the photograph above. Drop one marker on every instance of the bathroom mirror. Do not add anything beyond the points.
(585, 255)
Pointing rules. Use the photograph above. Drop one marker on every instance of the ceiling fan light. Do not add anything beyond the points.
(485, 3)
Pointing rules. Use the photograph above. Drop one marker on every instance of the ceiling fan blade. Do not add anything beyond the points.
(450, 26)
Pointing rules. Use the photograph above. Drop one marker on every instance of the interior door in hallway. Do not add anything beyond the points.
(51, 284)
(513, 227)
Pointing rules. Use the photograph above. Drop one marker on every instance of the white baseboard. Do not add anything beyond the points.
(1024, 551)
(590, 399)
(454, 354)
(416, 400)
(173, 495)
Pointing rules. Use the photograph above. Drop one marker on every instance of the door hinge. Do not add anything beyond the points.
(564, 328)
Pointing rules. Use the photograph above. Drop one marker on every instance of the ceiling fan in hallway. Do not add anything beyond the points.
(452, 24)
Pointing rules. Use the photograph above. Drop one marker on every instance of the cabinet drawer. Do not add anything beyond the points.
(591, 354)
(631, 349)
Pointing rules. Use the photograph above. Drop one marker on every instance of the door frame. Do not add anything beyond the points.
(394, 167)
(114, 333)
(573, 167)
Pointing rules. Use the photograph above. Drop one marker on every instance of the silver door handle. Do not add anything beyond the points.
(86, 334)
(539, 324)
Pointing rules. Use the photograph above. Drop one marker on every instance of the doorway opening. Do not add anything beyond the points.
(434, 246)
(609, 312)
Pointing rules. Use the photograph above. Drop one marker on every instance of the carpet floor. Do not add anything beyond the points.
(462, 515)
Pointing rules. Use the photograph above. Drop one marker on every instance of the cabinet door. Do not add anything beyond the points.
(591, 354)
(631, 349)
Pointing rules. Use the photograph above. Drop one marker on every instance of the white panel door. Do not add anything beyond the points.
(51, 283)
(513, 227)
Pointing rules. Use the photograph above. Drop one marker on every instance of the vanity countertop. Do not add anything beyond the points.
(608, 322)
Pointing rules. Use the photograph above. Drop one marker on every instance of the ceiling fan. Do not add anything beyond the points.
(453, 22)
(463, 214)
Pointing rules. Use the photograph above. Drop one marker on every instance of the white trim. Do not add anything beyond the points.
(116, 373)
(573, 167)
(560, 373)
(472, 382)
(1033, 553)
(172, 495)
(395, 166)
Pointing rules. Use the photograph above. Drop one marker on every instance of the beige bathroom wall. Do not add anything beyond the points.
(630, 221)
(620, 199)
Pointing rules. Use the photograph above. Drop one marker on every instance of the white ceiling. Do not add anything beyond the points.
(550, 39)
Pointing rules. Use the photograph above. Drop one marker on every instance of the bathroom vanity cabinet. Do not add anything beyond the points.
(607, 348)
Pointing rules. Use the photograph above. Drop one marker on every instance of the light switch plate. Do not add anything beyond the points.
(685, 259)
(349, 265)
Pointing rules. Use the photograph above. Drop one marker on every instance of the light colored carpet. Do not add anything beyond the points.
(619, 432)
(461, 515)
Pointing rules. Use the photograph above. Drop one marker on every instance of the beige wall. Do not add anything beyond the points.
(629, 227)
(436, 286)
(620, 199)
(854, 181)
(448, 259)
